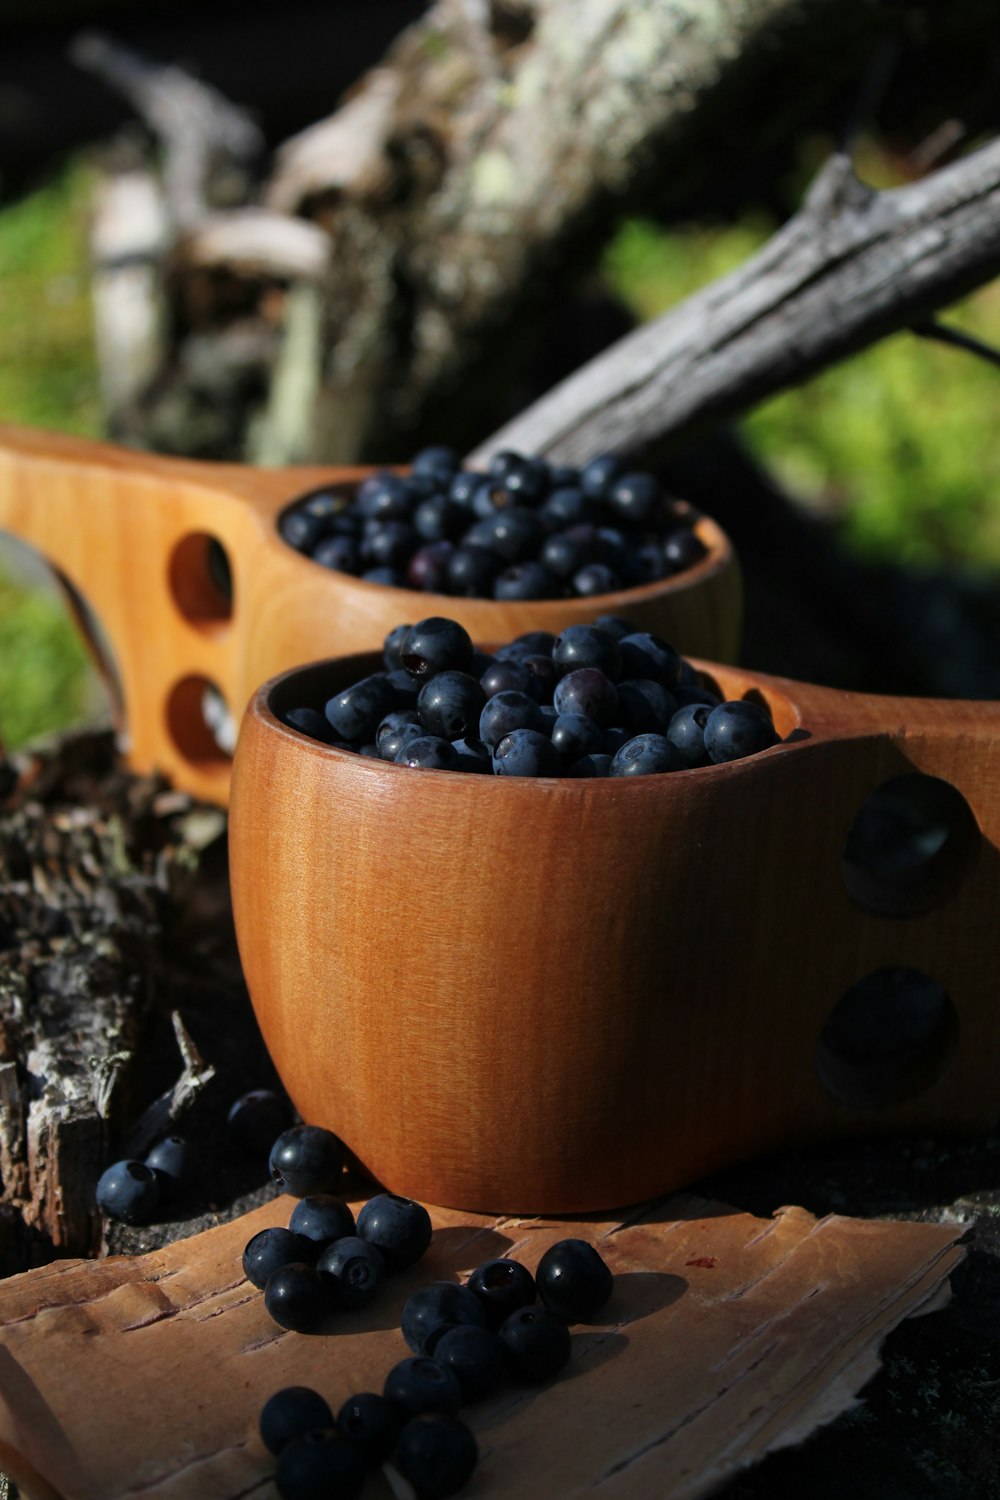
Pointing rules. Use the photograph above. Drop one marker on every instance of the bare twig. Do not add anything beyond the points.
(851, 267)
(155, 1121)
(932, 329)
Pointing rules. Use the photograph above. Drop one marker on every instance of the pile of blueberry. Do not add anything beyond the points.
(465, 1339)
(523, 529)
(597, 700)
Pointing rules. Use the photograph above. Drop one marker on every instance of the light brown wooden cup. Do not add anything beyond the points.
(131, 537)
(542, 996)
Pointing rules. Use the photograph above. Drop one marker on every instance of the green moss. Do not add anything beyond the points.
(44, 670)
(48, 368)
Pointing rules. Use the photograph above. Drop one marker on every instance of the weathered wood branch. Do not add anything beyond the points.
(851, 267)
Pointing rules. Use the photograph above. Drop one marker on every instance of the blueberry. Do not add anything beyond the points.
(646, 707)
(645, 755)
(646, 564)
(428, 752)
(535, 1344)
(436, 645)
(371, 1423)
(473, 756)
(392, 647)
(405, 689)
(512, 534)
(427, 569)
(543, 676)
(591, 765)
(471, 572)
(269, 1250)
(355, 713)
(683, 548)
(352, 1271)
(396, 730)
(566, 506)
(574, 735)
(563, 555)
(324, 504)
(526, 580)
(597, 476)
(295, 1297)
(321, 1218)
(450, 704)
(464, 485)
(645, 655)
(505, 712)
(419, 1384)
(340, 553)
(525, 752)
(594, 579)
(384, 577)
(473, 1355)
(686, 693)
(530, 643)
(311, 722)
(320, 1465)
(686, 732)
(389, 544)
(588, 691)
(615, 625)
(257, 1118)
(586, 646)
(173, 1162)
(507, 676)
(399, 1227)
(290, 1412)
(440, 1304)
(573, 1280)
(384, 496)
(502, 1286)
(634, 497)
(439, 462)
(615, 736)
(301, 530)
(736, 729)
(129, 1191)
(438, 519)
(306, 1159)
(504, 462)
(528, 480)
(437, 1454)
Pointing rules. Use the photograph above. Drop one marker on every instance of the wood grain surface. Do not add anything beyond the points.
(628, 957)
(129, 534)
(726, 1337)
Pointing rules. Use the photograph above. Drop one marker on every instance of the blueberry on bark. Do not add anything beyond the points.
(306, 1159)
(439, 1305)
(295, 1297)
(419, 1384)
(437, 1454)
(129, 1191)
(535, 1344)
(290, 1412)
(573, 1279)
(399, 1227)
(320, 1465)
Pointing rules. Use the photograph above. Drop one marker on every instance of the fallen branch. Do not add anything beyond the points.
(851, 267)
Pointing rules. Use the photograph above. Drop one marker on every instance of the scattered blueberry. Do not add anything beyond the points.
(173, 1162)
(306, 1159)
(399, 1227)
(320, 1465)
(321, 1218)
(535, 1343)
(573, 1280)
(371, 1423)
(439, 1305)
(419, 1384)
(438, 1454)
(473, 1355)
(352, 1271)
(502, 1286)
(295, 1297)
(129, 1191)
(289, 1413)
(269, 1250)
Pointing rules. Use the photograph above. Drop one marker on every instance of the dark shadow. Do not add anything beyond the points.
(637, 1294)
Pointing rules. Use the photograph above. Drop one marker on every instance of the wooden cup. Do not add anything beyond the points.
(133, 539)
(558, 995)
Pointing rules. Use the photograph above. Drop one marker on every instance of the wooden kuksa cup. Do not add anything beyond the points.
(541, 996)
(133, 537)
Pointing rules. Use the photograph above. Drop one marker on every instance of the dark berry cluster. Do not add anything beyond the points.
(523, 529)
(597, 700)
(324, 1261)
(465, 1339)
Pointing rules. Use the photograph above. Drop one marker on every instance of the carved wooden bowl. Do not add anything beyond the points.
(134, 540)
(557, 995)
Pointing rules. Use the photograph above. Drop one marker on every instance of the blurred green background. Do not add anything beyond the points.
(898, 444)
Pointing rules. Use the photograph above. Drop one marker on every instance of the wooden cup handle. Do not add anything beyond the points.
(131, 537)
